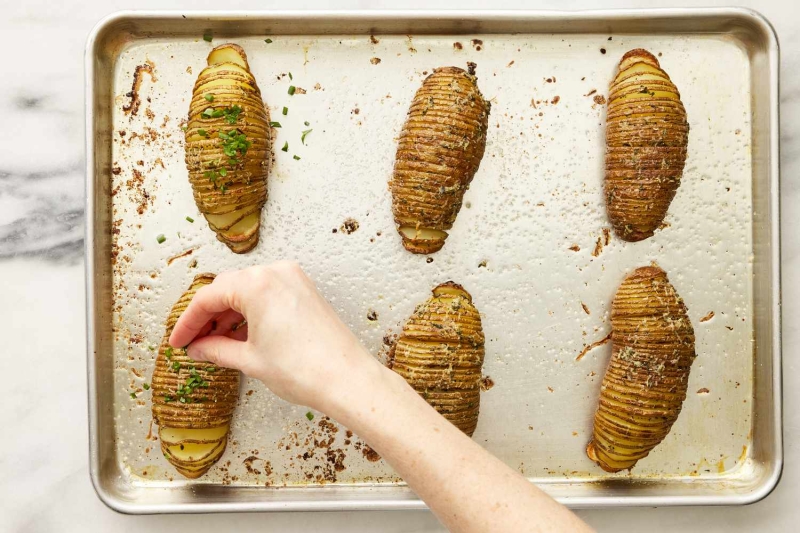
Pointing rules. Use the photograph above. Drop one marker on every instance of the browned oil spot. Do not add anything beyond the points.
(555, 99)
(590, 347)
(132, 108)
(458, 46)
(708, 317)
(585, 308)
(703, 391)
(373, 40)
(575, 248)
(350, 225)
(372, 316)
(370, 454)
(190, 251)
(375, 60)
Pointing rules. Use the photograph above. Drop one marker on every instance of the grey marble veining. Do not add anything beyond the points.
(44, 482)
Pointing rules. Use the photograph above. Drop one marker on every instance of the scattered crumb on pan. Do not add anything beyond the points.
(708, 317)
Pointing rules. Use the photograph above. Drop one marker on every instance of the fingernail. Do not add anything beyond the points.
(193, 353)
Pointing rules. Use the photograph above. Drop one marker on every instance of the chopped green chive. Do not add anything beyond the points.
(296, 157)
(184, 128)
(268, 41)
(285, 146)
(146, 386)
(208, 37)
(190, 219)
(211, 369)
(208, 112)
(292, 89)
(290, 76)
(274, 124)
(133, 395)
(176, 366)
(303, 136)
(168, 398)
(306, 123)
(285, 111)
(151, 348)
(168, 352)
(310, 415)
(182, 399)
(209, 97)
(161, 238)
(223, 172)
(201, 132)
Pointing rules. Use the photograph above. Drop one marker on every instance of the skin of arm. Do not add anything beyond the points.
(293, 341)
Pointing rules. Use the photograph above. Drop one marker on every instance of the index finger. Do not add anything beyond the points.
(207, 303)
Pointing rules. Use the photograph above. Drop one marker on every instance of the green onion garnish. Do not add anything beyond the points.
(303, 136)
(285, 111)
(285, 147)
(146, 386)
(161, 238)
(268, 41)
(310, 415)
(190, 219)
(133, 395)
(274, 124)
(207, 36)
(201, 132)
(209, 97)
(290, 76)
(292, 89)
(296, 157)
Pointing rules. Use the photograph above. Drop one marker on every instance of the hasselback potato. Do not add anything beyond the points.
(440, 354)
(228, 148)
(645, 383)
(193, 402)
(646, 137)
(439, 150)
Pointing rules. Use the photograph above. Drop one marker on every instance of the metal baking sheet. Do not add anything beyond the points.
(531, 243)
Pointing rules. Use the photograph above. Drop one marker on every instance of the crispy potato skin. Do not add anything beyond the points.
(645, 384)
(646, 138)
(245, 183)
(440, 354)
(438, 152)
(206, 407)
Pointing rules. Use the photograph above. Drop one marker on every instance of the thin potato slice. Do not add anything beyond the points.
(440, 353)
(438, 153)
(228, 148)
(193, 403)
(646, 138)
(645, 384)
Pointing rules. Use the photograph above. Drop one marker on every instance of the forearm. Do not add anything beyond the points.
(465, 486)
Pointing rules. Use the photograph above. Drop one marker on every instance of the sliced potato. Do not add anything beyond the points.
(438, 153)
(193, 402)
(646, 138)
(645, 384)
(228, 148)
(440, 353)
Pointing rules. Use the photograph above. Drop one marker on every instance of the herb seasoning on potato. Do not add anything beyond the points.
(646, 138)
(440, 354)
(439, 151)
(228, 148)
(193, 402)
(645, 384)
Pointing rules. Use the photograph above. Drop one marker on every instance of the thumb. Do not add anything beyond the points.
(220, 350)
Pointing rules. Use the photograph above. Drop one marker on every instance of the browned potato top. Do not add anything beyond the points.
(646, 137)
(439, 151)
(645, 384)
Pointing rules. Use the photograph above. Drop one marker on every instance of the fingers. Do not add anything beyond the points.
(220, 350)
(208, 303)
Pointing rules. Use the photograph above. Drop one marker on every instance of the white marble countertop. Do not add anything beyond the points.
(44, 479)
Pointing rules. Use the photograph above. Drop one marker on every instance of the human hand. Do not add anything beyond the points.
(292, 340)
